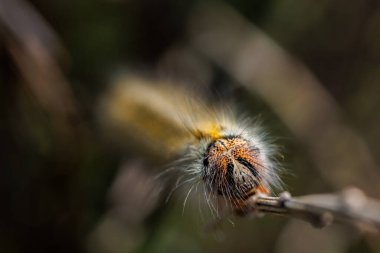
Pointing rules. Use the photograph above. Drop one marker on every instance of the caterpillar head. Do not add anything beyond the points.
(233, 168)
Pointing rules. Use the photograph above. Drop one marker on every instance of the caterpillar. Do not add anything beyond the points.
(233, 158)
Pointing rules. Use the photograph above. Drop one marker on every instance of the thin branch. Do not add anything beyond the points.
(350, 206)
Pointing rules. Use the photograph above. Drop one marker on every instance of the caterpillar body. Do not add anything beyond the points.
(234, 159)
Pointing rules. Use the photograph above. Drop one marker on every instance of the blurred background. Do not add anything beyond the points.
(87, 90)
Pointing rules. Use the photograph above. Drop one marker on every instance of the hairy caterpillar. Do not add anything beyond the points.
(232, 158)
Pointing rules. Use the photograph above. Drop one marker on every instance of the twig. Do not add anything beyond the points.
(350, 206)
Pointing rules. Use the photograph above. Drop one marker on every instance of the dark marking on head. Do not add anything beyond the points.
(205, 162)
(249, 166)
(230, 175)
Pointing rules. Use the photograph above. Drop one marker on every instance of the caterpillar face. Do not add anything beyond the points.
(233, 168)
(233, 159)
